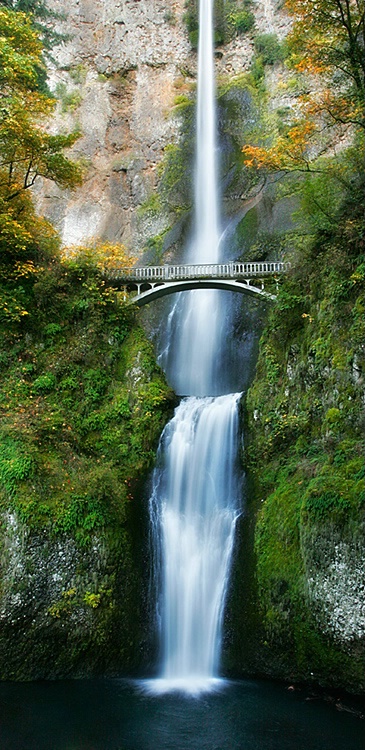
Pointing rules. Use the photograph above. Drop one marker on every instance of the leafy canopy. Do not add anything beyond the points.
(42, 18)
(27, 151)
(327, 40)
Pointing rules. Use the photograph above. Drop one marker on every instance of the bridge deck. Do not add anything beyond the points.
(152, 282)
(232, 270)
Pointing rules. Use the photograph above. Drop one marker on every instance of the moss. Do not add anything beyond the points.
(304, 454)
(83, 404)
(151, 207)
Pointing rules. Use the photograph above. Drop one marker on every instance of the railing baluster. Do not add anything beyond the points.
(232, 269)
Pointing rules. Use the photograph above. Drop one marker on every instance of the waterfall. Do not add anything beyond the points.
(199, 331)
(194, 509)
(195, 495)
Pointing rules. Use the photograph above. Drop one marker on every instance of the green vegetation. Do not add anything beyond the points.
(70, 100)
(42, 20)
(305, 446)
(82, 406)
(241, 20)
(73, 419)
(269, 48)
(231, 18)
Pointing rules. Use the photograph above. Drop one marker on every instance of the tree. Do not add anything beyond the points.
(42, 19)
(328, 37)
(101, 254)
(327, 41)
(27, 151)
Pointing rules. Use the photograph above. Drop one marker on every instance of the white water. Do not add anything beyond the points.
(194, 371)
(195, 506)
(194, 503)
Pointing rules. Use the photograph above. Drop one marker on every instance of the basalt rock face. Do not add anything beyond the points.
(118, 78)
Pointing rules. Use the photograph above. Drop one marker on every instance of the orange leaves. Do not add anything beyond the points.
(338, 107)
(261, 158)
(289, 153)
(326, 42)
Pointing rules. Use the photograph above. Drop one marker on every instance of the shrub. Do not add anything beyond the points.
(45, 383)
(242, 21)
(269, 48)
(15, 464)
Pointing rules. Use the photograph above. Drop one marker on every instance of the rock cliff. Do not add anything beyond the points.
(118, 78)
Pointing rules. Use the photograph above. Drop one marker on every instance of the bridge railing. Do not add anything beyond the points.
(231, 270)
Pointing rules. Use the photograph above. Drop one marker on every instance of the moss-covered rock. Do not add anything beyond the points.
(301, 614)
(82, 407)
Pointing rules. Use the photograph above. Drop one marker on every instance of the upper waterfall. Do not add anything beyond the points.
(205, 245)
(194, 362)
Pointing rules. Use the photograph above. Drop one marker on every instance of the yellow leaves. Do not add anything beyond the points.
(106, 255)
(27, 150)
(20, 50)
(25, 269)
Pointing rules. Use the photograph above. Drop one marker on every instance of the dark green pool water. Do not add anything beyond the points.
(116, 715)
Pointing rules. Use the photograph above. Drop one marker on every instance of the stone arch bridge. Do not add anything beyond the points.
(152, 282)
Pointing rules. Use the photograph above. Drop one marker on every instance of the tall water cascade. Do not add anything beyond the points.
(195, 496)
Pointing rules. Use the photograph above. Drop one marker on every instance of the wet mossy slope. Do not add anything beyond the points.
(299, 613)
(82, 408)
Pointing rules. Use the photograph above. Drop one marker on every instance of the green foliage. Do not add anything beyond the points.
(326, 497)
(92, 600)
(268, 47)
(305, 446)
(81, 518)
(42, 20)
(70, 100)
(44, 383)
(242, 21)
(151, 207)
(77, 432)
(69, 393)
(191, 18)
(78, 73)
(16, 464)
(26, 149)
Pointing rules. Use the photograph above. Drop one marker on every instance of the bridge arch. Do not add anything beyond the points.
(153, 282)
(162, 289)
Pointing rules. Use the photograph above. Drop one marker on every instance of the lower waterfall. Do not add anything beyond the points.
(194, 507)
